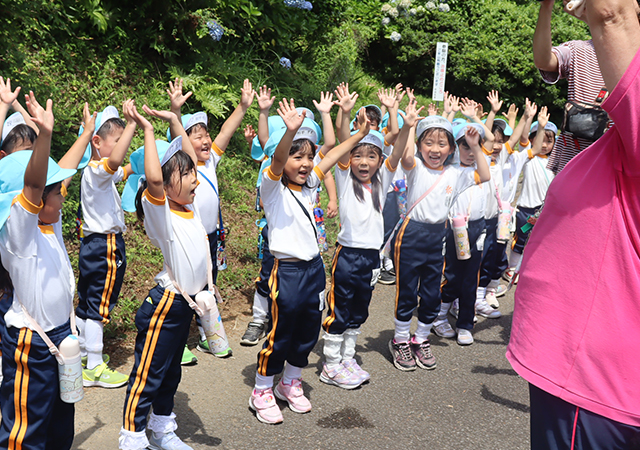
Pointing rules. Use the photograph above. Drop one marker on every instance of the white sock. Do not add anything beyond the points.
(422, 332)
(388, 264)
(263, 382)
(481, 293)
(260, 308)
(331, 349)
(82, 325)
(444, 309)
(515, 260)
(203, 335)
(349, 345)
(291, 373)
(93, 343)
(402, 332)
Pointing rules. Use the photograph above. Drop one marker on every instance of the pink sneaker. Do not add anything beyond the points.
(353, 367)
(265, 406)
(340, 376)
(294, 396)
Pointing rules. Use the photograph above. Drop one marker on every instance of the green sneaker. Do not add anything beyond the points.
(203, 346)
(105, 359)
(103, 376)
(188, 358)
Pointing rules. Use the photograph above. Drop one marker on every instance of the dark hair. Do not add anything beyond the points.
(19, 135)
(109, 126)
(6, 286)
(180, 162)
(47, 190)
(498, 129)
(548, 133)
(301, 145)
(429, 132)
(373, 114)
(196, 127)
(376, 183)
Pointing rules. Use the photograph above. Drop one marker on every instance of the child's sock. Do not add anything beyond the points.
(291, 373)
(481, 293)
(515, 260)
(203, 335)
(402, 331)
(422, 332)
(161, 425)
(349, 344)
(444, 309)
(93, 343)
(260, 308)
(263, 382)
(331, 349)
(82, 325)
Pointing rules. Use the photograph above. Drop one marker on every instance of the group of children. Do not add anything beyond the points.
(456, 171)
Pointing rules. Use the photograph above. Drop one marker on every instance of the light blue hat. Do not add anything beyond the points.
(385, 120)
(433, 122)
(309, 130)
(12, 121)
(110, 112)
(137, 166)
(459, 130)
(191, 120)
(550, 126)
(374, 138)
(458, 121)
(506, 129)
(353, 122)
(275, 123)
(12, 169)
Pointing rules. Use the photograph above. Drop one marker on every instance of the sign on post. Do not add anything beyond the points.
(440, 72)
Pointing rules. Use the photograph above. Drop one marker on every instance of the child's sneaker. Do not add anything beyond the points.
(354, 367)
(188, 357)
(103, 376)
(501, 290)
(491, 299)
(484, 310)
(423, 356)
(294, 396)
(264, 404)
(444, 329)
(464, 336)
(508, 275)
(386, 278)
(83, 360)
(203, 346)
(455, 309)
(340, 376)
(168, 441)
(402, 357)
(255, 332)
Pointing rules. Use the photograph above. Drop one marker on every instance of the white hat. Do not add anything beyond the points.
(12, 121)
(309, 114)
(374, 138)
(174, 147)
(433, 122)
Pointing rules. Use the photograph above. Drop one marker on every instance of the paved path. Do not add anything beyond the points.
(473, 400)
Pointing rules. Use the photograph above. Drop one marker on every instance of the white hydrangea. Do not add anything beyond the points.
(420, 9)
(393, 12)
(395, 36)
(444, 7)
(406, 4)
(385, 21)
(413, 11)
(430, 5)
(386, 7)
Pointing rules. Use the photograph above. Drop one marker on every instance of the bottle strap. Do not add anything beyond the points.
(306, 213)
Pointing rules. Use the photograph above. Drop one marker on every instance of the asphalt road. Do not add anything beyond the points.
(473, 400)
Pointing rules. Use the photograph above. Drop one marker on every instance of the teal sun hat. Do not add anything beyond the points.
(110, 112)
(309, 130)
(275, 123)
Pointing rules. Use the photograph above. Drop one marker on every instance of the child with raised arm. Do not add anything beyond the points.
(166, 203)
(33, 253)
(297, 280)
(18, 132)
(102, 259)
(432, 184)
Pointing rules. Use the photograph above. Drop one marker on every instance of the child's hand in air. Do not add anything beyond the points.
(543, 118)
(265, 101)
(345, 100)
(455, 103)
(246, 94)
(410, 94)
(88, 120)
(495, 101)
(6, 95)
(447, 103)
(326, 102)
(468, 108)
(412, 115)
(249, 134)
(290, 116)
(363, 122)
(175, 94)
(387, 97)
(472, 137)
(42, 117)
(511, 114)
(432, 110)
(139, 119)
(530, 109)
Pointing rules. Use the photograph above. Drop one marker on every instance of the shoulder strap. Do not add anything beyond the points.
(423, 196)
(306, 213)
(216, 191)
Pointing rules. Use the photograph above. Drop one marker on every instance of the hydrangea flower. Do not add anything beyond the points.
(413, 11)
(215, 30)
(307, 6)
(406, 4)
(386, 21)
(444, 7)
(393, 12)
(420, 9)
(285, 62)
(395, 36)
(430, 5)
(300, 4)
(386, 7)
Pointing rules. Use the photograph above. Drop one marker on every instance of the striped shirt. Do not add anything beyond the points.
(577, 63)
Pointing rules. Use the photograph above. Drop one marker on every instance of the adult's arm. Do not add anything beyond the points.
(543, 57)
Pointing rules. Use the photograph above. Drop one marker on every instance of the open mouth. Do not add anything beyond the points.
(434, 159)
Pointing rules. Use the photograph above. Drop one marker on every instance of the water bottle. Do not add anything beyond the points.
(212, 323)
(322, 233)
(461, 238)
(221, 257)
(504, 222)
(401, 189)
(70, 373)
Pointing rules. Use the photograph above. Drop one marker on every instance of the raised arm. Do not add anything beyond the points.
(324, 108)
(543, 57)
(35, 177)
(230, 125)
(332, 157)
(543, 119)
(176, 97)
(7, 97)
(175, 125)
(265, 102)
(346, 101)
(472, 137)
(616, 36)
(530, 110)
(293, 121)
(470, 111)
(411, 117)
(152, 168)
(117, 155)
(496, 105)
(72, 158)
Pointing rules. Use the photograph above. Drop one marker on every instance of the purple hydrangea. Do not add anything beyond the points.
(285, 62)
(215, 30)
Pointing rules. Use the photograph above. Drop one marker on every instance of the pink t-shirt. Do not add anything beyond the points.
(576, 323)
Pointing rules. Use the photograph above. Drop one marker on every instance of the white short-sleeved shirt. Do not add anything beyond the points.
(207, 199)
(511, 172)
(492, 207)
(181, 238)
(535, 184)
(361, 226)
(434, 208)
(101, 207)
(291, 233)
(471, 203)
(39, 267)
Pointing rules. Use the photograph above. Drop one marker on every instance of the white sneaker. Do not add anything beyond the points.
(491, 299)
(501, 290)
(168, 441)
(464, 336)
(455, 307)
(484, 310)
(444, 330)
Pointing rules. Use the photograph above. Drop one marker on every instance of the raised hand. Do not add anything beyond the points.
(88, 120)
(447, 103)
(511, 114)
(472, 136)
(363, 121)
(42, 117)
(480, 111)
(167, 116)
(175, 94)
(495, 101)
(6, 95)
(432, 110)
(345, 100)
(455, 103)
(326, 102)
(387, 97)
(530, 109)
(290, 116)
(468, 108)
(139, 119)
(249, 134)
(410, 94)
(412, 115)
(246, 94)
(265, 101)
(543, 118)
(127, 112)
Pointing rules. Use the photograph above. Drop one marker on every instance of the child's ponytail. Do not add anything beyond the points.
(141, 189)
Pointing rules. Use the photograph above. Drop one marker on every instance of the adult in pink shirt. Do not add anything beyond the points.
(576, 324)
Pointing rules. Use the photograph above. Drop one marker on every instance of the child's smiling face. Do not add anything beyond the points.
(201, 142)
(435, 148)
(299, 165)
(365, 161)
